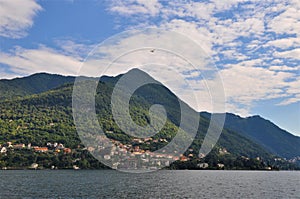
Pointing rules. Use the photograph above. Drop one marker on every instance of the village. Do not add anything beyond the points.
(114, 153)
(132, 156)
(56, 148)
(53, 147)
(122, 156)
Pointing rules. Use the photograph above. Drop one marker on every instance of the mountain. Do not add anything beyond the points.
(43, 113)
(265, 133)
(33, 84)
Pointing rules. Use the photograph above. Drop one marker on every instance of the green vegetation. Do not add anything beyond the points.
(34, 111)
(23, 159)
(265, 133)
(33, 84)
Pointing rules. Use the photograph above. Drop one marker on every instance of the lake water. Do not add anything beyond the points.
(161, 184)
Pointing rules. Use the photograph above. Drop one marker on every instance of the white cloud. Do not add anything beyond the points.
(16, 17)
(227, 4)
(284, 68)
(132, 7)
(234, 55)
(289, 101)
(42, 59)
(73, 49)
(247, 39)
(247, 84)
(293, 90)
(285, 42)
(199, 35)
(251, 63)
(6, 75)
(293, 54)
(287, 22)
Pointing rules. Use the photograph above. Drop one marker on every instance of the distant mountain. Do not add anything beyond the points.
(33, 84)
(264, 132)
(47, 116)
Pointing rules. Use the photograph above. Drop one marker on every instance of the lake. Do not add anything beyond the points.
(160, 184)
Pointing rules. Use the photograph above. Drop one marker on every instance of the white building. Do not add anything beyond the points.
(3, 150)
(220, 166)
(203, 165)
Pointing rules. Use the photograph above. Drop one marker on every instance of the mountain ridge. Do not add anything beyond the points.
(229, 124)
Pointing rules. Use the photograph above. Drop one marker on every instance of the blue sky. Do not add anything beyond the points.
(255, 45)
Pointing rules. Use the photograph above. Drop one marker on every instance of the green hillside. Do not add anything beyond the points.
(47, 117)
(36, 83)
(265, 133)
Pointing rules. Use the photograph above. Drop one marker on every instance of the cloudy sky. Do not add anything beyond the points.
(254, 44)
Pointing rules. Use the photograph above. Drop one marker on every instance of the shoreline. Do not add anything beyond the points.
(70, 169)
